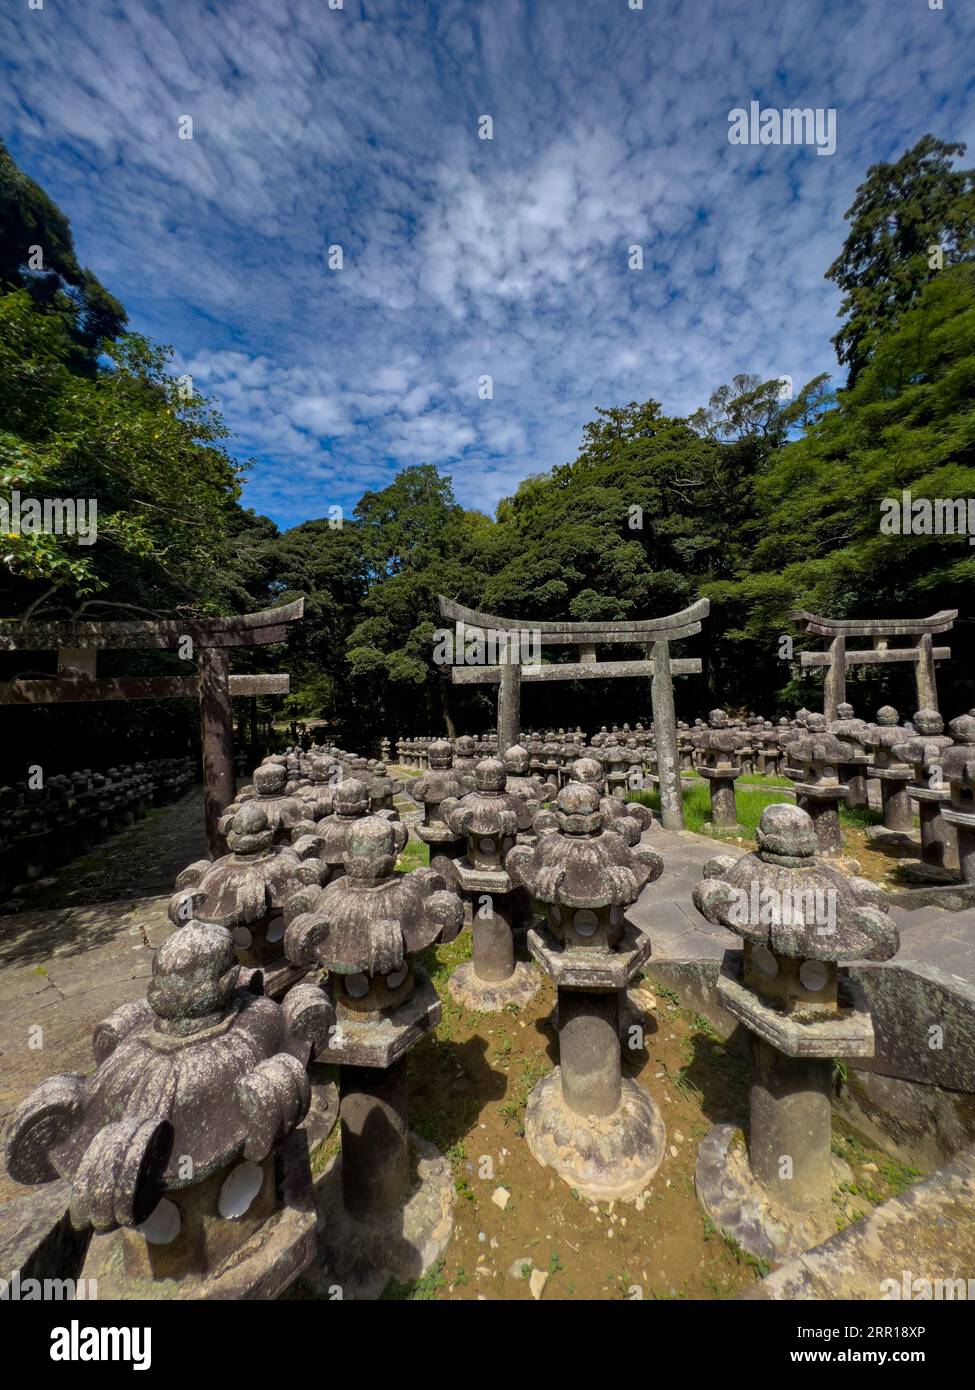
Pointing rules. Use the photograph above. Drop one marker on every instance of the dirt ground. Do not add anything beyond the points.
(468, 1086)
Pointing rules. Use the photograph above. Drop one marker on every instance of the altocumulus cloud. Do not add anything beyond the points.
(465, 258)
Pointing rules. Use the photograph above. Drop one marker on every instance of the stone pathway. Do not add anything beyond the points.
(64, 969)
(930, 936)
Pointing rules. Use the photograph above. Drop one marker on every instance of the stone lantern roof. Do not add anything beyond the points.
(241, 887)
(371, 920)
(284, 810)
(819, 745)
(769, 898)
(202, 1069)
(926, 747)
(585, 866)
(488, 809)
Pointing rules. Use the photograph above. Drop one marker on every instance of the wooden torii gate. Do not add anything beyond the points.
(208, 640)
(924, 653)
(653, 633)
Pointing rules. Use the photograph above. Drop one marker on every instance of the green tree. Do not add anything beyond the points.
(902, 214)
(37, 254)
(907, 424)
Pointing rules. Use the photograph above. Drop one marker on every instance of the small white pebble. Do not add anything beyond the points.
(501, 1197)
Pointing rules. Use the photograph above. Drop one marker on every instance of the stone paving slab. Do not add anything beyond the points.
(926, 1235)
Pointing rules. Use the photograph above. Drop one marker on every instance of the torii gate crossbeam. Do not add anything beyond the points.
(654, 634)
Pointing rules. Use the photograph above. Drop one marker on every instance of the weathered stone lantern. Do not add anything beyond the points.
(382, 791)
(815, 759)
(465, 759)
(893, 774)
(628, 818)
(180, 1148)
(853, 768)
(377, 1217)
(440, 783)
(350, 802)
(958, 765)
(601, 1132)
(245, 891)
(531, 791)
(924, 752)
(489, 818)
(721, 768)
(800, 921)
(283, 811)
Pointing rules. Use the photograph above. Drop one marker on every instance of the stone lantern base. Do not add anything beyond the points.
(279, 1246)
(741, 1208)
(605, 1158)
(492, 996)
(357, 1259)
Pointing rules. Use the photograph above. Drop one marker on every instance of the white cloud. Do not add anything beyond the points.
(464, 257)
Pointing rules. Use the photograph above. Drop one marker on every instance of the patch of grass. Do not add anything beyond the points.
(426, 1287)
(752, 794)
(416, 855)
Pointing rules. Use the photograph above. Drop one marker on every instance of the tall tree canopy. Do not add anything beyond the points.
(902, 217)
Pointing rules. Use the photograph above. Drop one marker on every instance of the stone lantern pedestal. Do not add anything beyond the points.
(798, 919)
(385, 1202)
(599, 1130)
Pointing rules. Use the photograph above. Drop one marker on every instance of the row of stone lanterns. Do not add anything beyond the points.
(172, 1145)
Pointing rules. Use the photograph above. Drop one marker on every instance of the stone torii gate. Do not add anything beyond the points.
(655, 633)
(208, 640)
(924, 653)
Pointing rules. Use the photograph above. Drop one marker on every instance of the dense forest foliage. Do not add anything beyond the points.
(760, 503)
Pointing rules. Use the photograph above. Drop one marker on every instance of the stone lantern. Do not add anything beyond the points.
(628, 818)
(465, 759)
(924, 752)
(440, 783)
(893, 774)
(853, 767)
(533, 792)
(489, 818)
(816, 758)
(283, 811)
(616, 767)
(958, 767)
(378, 1218)
(245, 891)
(721, 768)
(180, 1148)
(601, 1132)
(328, 838)
(800, 921)
(382, 790)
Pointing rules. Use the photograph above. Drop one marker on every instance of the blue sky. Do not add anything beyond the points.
(465, 258)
